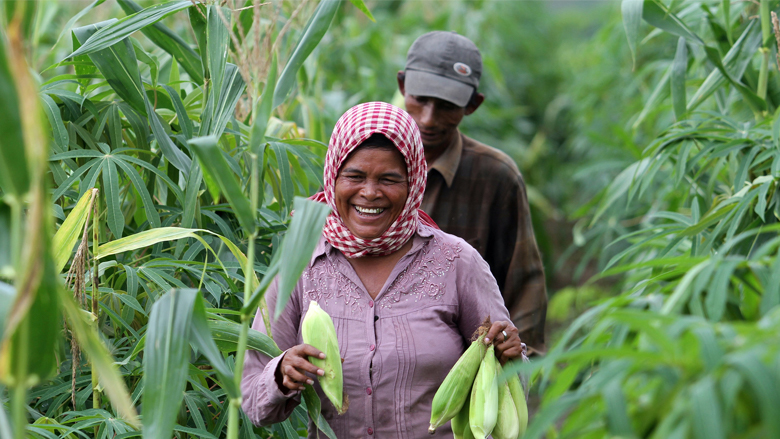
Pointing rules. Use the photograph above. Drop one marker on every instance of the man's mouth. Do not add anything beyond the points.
(369, 210)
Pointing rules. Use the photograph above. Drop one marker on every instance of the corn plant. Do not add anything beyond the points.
(689, 349)
(173, 207)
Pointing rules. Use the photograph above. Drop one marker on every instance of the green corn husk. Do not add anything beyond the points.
(455, 389)
(483, 407)
(318, 331)
(460, 423)
(518, 396)
(507, 422)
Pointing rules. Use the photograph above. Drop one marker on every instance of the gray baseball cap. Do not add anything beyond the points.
(443, 65)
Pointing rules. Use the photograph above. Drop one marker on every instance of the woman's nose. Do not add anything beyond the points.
(370, 190)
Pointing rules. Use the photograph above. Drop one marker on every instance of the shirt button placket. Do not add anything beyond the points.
(371, 349)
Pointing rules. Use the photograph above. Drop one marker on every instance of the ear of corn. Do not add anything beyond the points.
(455, 389)
(518, 396)
(318, 331)
(460, 423)
(507, 423)
(483, 407)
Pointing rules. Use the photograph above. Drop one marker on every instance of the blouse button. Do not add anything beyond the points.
(372, 347)
(368, 391)
(370, 431)
(371, 303)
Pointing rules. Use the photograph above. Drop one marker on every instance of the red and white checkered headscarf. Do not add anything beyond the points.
(354, 127)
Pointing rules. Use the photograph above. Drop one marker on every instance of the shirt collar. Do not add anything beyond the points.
(447, 163)
(421, 236)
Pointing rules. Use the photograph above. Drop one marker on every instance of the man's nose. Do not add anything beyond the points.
(427, 115)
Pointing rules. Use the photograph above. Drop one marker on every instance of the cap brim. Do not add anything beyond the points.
(418, 83)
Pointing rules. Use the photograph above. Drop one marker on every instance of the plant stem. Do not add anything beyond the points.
(16, 232)
(766, 28)
(20, 389)
(95, 293)
(763, 73)
(238, 370)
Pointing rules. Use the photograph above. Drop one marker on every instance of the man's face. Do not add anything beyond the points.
(436, 118)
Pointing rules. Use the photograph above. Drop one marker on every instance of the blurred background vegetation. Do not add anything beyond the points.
(648, 137)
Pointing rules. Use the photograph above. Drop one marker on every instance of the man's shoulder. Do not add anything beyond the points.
(481, 158)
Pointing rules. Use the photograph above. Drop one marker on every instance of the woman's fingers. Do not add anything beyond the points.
(296, 364)
(496, 329)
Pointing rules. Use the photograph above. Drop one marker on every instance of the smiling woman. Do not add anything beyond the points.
(372, 187)
(404, 297)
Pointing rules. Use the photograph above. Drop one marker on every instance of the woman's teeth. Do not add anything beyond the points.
(370, 211)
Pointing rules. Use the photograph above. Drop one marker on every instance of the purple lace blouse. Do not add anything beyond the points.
(397, 348)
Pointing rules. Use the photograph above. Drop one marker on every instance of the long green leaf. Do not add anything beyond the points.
(71, 230)
(165, 361)
(736, 62)
(263, 109)
(657, 15)
(312, 34)
(362, 6)
(298, 245)
(14, 176)
(679, 66)
(201, 339)
(114, 216)
(121, 29)
(169, 42)
(226, 333)
(59, 132)
(211, 160)
(632, 19)
(171, 152)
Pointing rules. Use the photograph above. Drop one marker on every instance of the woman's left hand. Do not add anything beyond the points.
(507, 343)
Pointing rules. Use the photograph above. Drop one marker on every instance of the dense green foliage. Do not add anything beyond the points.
(647, 133)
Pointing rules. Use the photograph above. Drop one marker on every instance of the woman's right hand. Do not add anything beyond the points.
(291, 374)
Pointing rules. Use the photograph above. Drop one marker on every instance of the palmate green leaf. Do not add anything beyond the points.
(213, 163)
(150, 211)
(169, 42)
(165, 361)
(298, 245)
(121, 29)
(117, 64)
(14, 176)
(632, 19)
(315, 29)
(679, 67)
(71, 230)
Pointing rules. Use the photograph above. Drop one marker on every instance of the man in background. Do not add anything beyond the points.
(474, 191)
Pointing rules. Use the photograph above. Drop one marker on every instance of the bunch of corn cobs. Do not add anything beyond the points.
(477, 401)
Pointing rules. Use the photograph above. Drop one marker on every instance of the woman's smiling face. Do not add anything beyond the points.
(371, 190)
